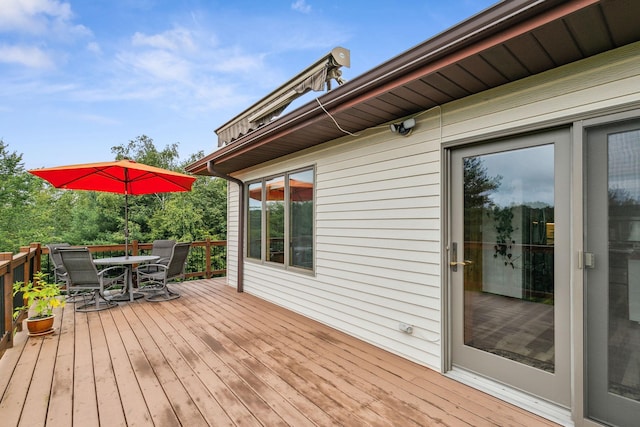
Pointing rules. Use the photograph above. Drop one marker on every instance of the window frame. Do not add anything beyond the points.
(264, 247)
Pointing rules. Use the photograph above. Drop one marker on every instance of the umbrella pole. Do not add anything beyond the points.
(126, 224)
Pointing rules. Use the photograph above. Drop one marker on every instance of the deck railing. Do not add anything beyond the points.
(207, 259)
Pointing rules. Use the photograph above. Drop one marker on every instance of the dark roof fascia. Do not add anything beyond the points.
(394, 72)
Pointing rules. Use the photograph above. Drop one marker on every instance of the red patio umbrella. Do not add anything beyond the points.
(120, 176)
(300, 191)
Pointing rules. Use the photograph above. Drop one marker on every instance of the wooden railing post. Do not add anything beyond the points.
(8, 299)
(207, 266)
(135, 249)
(27, 263)
(37, 257)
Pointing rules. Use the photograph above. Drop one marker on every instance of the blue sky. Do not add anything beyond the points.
(78, 77)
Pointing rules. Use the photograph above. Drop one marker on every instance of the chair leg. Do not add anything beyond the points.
(163, 294)
(78, 296)
(96, 303)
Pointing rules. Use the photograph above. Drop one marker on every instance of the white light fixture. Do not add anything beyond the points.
(403, 128)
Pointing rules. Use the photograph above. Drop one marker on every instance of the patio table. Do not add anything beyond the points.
(127, 261)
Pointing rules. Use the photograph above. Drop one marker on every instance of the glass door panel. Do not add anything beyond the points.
(613, 279)
(508, 226)
(510, 286)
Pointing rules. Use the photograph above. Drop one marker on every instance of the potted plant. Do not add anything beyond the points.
(41, 297)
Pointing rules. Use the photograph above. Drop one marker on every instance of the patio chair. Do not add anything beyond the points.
(59, 272)
(87, 282)
(163, 248)
(153, 278)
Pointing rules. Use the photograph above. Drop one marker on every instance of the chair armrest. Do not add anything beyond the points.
(115, 267)
(142, 267)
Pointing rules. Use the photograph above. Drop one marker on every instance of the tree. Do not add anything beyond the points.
(477, 184)
(195, 215)
(142, 208)
(31, 210)
(143, 150)
(25, 204)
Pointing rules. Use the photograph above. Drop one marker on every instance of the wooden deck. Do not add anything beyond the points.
(216, 357)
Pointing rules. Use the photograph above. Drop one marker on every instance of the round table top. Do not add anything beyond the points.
(131, 259)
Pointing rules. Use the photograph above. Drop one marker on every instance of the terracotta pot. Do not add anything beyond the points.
(40, 326)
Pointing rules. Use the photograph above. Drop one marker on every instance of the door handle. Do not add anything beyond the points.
(462, 263)
(454, 263)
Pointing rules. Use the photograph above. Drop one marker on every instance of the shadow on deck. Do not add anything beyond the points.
(216, 357)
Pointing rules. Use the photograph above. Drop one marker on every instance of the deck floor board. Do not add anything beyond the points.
(215, 357)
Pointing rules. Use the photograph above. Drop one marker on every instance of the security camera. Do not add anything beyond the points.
(403, 128)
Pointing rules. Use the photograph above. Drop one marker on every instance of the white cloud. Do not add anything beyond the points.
(94, 47)
(39, 17)
(29, 15)
(95, 118)
(188, 59)
(178, 39)
(234, 61)
(185, 67)
(28, 56)
(301, 6)
(157, 64)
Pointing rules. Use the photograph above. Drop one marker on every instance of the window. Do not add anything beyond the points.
(281, 219)
(274, 212)
(254, 222)
(301, 223)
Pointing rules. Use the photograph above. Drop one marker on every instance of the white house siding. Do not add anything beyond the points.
(378, 207)
(377, 243)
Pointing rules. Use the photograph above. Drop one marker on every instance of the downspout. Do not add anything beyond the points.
(213, 172)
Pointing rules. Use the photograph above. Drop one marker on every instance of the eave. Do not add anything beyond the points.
(510, 41)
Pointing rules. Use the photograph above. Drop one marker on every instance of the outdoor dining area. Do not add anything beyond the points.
(97, 284)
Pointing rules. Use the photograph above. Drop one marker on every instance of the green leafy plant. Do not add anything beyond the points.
(504, 242)
(39, 294)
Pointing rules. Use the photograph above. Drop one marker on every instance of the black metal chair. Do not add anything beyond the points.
(153, 278)
(86, 282)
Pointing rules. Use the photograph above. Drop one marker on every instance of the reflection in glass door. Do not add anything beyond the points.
(612, 281)
(507, 296)
(509, 236)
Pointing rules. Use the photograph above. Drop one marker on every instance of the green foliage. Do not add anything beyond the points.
(503, 218)
(143, 150)
(31, 210)
(24, 201)
(477, 184)
(39, 294)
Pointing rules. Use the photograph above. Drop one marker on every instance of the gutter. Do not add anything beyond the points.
(213, 172)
